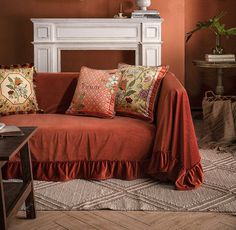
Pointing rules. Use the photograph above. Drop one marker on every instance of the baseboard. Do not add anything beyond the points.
(196, 109)
(197, 113)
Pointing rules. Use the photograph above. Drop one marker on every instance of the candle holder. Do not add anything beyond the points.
(120, 14)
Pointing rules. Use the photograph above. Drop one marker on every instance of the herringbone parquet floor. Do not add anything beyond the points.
(116, 220)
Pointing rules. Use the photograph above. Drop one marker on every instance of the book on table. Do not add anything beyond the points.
(220, 60)
(220, 57)
(10, 131)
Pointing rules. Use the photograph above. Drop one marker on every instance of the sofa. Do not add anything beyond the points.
(69, 147)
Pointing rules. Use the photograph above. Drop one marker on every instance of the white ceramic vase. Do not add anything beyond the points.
(143, 4)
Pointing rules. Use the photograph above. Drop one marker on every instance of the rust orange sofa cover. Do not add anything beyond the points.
(68, 147)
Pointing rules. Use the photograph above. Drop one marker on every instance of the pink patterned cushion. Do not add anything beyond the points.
(95, 93)
(138, 89)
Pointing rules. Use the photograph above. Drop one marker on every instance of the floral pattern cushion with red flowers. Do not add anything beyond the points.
(17, 93)
(95, 93)
(138, 90)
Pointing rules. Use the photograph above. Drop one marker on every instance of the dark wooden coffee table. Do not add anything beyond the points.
(14, 194)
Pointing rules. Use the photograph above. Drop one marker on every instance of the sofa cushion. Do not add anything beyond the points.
(138, 90)
(95, 93)
(72, 138)
(17, 94)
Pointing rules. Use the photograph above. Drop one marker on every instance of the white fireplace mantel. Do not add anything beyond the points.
(52, 35)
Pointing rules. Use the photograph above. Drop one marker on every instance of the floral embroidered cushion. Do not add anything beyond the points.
(138, 89)
(17, 93)
(95, 93)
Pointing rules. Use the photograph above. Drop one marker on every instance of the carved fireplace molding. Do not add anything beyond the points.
(52, 35)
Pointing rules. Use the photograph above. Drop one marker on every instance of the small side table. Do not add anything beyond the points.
(219, 66)
(14, 194)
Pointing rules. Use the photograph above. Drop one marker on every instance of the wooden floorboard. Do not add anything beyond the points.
(117, 220)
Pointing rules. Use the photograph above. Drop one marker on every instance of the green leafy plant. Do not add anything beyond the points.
(214, 25)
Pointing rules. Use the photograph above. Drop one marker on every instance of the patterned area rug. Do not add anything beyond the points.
(218, 193)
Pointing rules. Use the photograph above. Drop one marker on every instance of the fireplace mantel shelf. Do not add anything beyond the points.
(96, 20)
(52, 35)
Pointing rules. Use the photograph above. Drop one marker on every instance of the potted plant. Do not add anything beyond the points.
(217, 28)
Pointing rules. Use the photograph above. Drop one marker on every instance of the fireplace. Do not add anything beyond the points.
(53, 38)
(73, 60)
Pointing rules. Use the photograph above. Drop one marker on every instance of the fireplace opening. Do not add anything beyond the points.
(73, 60)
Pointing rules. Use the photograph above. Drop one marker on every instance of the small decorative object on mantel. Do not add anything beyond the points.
(143, 12)
(143, 4)
(120, 14)
(214, 25)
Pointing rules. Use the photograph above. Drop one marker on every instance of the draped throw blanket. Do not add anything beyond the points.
(175, 153)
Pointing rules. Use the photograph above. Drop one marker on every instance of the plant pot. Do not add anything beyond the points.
(218, 49)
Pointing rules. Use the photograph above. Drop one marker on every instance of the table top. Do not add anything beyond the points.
(206, 64)
(9, 146)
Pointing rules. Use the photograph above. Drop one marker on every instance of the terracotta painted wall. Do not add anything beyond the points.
(197, 80)
(17, 30)
(179, 16)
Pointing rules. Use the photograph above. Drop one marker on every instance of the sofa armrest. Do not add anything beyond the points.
(54, 91)
(175, 154)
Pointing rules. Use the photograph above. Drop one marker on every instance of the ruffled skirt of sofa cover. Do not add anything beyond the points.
(68, 147)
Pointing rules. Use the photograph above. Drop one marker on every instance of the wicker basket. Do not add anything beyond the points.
(219, 119)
